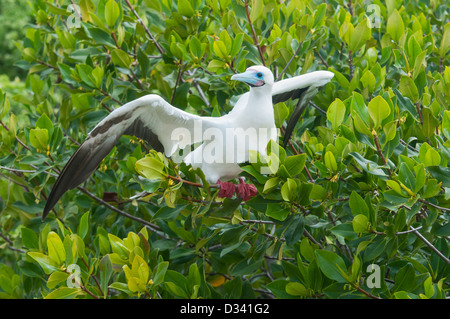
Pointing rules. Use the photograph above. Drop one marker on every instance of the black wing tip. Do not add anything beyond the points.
(47, 209)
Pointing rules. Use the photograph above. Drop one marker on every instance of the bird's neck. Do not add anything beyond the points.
(260, 100)
(259, 107)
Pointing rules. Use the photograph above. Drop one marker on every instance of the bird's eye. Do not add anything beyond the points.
(259, 75)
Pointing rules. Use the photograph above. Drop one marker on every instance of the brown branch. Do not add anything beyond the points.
(17, 139)
(350, 63)
(110, 96)
(179, 179)
(255, 38)
(180, 73)
(414, 230)
(158, 46)
(153, 227)
(377, 144)
(419, 111)
(350, 6)
(289, 62)
(322, 59)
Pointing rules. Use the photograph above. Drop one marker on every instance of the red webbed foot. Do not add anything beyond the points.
(243, 190)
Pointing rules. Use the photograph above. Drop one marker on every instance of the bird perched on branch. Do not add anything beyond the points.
(216, 145)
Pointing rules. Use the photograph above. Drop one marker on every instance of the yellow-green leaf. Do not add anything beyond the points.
(120, 58)
(39, 138)
(378, 110)
(395, 26)
(330, 161)
(336, 113)
(150, 168)
(55, 247)
(112, 12)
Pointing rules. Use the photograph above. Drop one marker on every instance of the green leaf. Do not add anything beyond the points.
(47, 264)
(56, 278)
(336, 113)
(194, 277)
(106, 271)
(360, 224)
(296, 289)
(121, 58)
(112, 13)
(445, 123)
(428, 287)
(358, 205)
(395, 26)
(29, 238)
(408, 88)
(307, 250)
(406, 176)
(378, 110)
(278, 288)
(83, 226)
(295, 164)
(319, 14)
(256, 9)
(64, 293)
(360, 35)
(185, 8)
(404, 279)
(331, 265)
(281, 112)
(55, 247)
(44, 122)
(160, 272)
(220, 49)
(276, 211)
(288, 190)
(442, 174)
(344, 230)
(428, 155)
(271, 184)
(39, 138)
(150, 168)
(367, 165)
(445, 42)
(330, 161)
(237, 44)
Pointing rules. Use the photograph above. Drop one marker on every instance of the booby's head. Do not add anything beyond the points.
(255, 76)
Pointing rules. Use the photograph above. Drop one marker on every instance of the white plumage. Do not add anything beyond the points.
(222, 142)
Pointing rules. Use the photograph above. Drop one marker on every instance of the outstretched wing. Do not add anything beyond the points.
(303, 88)
(149, 118)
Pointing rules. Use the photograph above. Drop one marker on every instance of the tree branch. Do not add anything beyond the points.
(255, 38)
(158, 46)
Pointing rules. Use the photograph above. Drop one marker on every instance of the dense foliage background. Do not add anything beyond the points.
(359, 207)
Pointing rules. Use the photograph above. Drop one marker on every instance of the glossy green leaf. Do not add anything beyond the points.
(331, 265)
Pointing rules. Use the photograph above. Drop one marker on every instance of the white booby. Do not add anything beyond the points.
(169, 129)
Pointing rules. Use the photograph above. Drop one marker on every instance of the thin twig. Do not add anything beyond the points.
(289, 62)
(158, 46)
(350, 63)
(180, 73)
(17, 139)
(377, 144)
(444, 209)
(414, 230)
(179, 179)
(350, 6)
(322, 59)
(255, 38)
(153, 227)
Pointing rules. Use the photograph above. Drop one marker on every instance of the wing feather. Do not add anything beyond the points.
(149, 118)
(303, 88)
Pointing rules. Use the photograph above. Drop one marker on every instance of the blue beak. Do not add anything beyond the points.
(248, 77)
